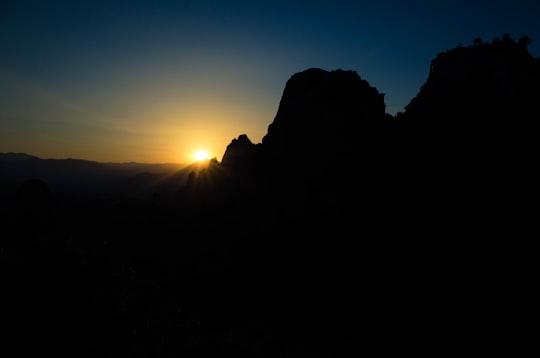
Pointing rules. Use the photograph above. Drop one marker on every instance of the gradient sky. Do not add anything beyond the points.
(153, 81)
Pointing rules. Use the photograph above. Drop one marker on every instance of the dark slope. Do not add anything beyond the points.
(345, 232)
(467, 137)
(403, 209)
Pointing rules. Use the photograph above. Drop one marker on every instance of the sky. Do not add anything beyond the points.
(155, 81)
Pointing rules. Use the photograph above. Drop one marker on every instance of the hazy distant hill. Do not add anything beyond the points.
(8, 157)
(84, 177)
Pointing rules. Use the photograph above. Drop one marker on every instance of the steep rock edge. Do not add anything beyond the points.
(332, 149)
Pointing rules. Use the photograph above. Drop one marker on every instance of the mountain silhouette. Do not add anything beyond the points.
(326, 122)
(345, 230)
(340, 192)
(332, 147)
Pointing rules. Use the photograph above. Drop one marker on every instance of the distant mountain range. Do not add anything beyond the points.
(83, 177)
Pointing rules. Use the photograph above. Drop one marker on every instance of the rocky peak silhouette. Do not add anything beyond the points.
(326, 121)
(331, 142)
(475, 115)
(240, 153)
(344, 222)
(478, 85)
(323, 115)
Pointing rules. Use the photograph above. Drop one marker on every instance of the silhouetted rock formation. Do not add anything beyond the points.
(240, 154)
(332, 146)
(478, 87)
(338, 182)
(327, 123)
(471, 127)
(323, 116)
(479, 99)
(345, 229)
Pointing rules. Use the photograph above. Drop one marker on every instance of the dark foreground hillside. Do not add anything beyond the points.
(390, 235)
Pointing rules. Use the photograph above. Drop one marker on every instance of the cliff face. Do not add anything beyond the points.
(475, 115)
(468, 134)
(327, 123)
(240, 154)
(478, 86)
(324, 117)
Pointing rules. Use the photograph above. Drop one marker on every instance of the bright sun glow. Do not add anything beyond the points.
(201, 155)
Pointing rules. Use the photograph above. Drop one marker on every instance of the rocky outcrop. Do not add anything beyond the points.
(327, 121)
(478, 88)
(323, 116)
(240, 154)
(332, 152)
(474, 118)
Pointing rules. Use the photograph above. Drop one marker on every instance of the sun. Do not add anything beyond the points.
(200, 155)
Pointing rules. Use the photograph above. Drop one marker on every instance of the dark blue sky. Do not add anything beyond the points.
(152, 81)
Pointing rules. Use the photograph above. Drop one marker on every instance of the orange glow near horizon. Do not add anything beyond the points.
(142, 119)
(201, 155)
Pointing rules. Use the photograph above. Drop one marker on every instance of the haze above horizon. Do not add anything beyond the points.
(154, 82)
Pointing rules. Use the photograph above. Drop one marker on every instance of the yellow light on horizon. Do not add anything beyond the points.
(200, 155)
